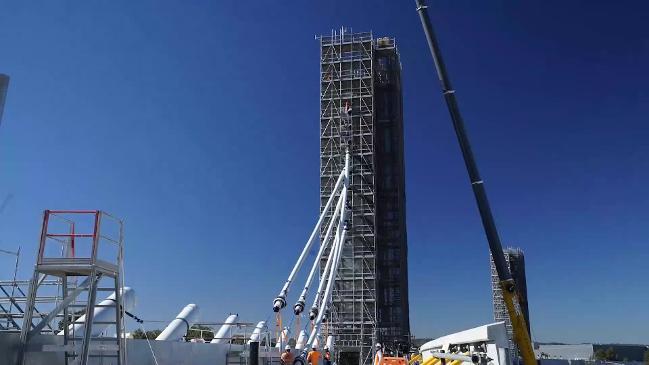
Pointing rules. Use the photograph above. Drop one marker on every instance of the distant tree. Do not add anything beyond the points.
(610, 354)
(151, 335)
(646, 357)
(606, 355)
(198, 331)
(77, 314)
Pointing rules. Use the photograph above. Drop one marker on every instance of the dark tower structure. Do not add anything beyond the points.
(370, 298)
(4, 85)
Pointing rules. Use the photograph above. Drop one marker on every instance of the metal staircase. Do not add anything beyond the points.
(85, 263)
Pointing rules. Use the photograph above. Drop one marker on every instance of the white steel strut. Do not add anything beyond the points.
(336, 253)
(299, 305)
(322, 297)
(280, 301)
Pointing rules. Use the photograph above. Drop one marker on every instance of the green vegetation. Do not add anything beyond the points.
(198, 331)
(151, 335)
(77, 314)
(606, 355)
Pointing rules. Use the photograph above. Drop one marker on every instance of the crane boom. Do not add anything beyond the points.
(510, 294)
(4, 85)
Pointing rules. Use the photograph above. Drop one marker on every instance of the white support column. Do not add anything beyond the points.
(222, 335)
(341, 236)
(280, 301)
(256, 333)
(299, 306)
(104, 313)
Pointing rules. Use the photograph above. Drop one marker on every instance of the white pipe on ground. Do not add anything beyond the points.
(180, 325)
(256, 333)
(222, 335)
(104, 312)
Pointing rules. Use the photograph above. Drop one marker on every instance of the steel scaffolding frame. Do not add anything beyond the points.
(346, 75)
(80, 261)
(348, 79)
(13, 299)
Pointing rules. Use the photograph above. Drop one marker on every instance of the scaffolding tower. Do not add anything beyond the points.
(360, 108)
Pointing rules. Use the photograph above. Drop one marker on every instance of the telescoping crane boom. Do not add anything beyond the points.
(4, 85)
(507, 284)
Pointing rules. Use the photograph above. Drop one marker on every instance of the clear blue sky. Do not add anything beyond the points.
(197, 122)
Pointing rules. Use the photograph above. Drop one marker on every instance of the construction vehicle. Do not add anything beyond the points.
(507, 284)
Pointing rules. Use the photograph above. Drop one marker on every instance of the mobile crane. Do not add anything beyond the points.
(507, 284)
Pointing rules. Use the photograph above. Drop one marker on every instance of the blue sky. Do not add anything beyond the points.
(197, 122)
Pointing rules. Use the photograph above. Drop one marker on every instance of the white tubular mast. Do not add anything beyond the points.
(299, 305)
(256, 333)
(103, 314)
(222, 335)
(341, 233)
(280, 301)
(313, 313)
(327, 295)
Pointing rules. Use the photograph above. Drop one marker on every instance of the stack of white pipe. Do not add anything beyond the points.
(105, 312)
(180, 325)
(222, 335)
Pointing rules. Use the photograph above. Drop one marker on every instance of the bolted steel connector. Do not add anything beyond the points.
(278, 304)
(313, 313)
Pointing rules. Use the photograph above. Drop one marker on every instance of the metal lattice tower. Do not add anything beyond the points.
(370, 298)
(516, 263)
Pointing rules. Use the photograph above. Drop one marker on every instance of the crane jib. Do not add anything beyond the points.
(510, 295)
